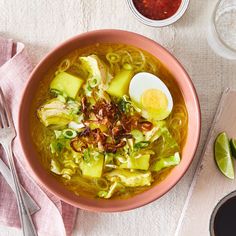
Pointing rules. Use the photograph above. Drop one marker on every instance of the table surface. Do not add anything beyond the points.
(42, 24)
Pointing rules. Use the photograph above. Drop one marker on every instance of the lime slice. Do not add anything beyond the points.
(233, 147)
(223, 155)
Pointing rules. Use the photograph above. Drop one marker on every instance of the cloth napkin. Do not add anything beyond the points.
(55, 218)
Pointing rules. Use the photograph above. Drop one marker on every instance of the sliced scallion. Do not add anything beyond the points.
(86, 155)
(142, 144)
(56, 147)
(93, 82)
(69, 133)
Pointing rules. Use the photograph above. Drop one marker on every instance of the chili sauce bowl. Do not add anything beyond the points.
(159, 22)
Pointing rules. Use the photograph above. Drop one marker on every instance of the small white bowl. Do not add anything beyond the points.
(159, 23)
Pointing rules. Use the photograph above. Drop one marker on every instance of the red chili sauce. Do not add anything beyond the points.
(157, 9)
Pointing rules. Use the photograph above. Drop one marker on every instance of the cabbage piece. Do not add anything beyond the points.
(54, 112)
(156, 131)
(90, 63)
(76, 126)
(55, 167)
(98, 73)
(130, 179)
(168, 146)
(127, 106)
(165, 144)
(92, 167)
(140, 162)
(166, 162)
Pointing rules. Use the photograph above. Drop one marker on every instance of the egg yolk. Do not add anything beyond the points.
(153, 100)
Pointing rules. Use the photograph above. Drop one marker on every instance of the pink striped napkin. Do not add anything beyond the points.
(55, 218)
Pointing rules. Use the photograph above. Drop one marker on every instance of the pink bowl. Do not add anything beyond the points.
(182, 79)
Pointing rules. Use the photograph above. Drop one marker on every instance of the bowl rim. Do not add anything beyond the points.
(159, 23)
(133, 204)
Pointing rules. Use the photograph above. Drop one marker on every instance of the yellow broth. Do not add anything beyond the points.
(42, 136)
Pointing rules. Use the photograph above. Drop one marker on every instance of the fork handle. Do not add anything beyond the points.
(6, 173)
(25, 218)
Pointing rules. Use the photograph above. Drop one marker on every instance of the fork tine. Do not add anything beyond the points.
(4, 111)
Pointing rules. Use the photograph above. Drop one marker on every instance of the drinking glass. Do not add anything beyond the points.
(222, 29)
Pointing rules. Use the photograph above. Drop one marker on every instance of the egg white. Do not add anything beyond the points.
(144, 81)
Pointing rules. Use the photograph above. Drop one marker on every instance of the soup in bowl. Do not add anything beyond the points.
(109, 121)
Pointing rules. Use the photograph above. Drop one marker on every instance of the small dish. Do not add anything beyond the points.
(159, 23)
(222, 218)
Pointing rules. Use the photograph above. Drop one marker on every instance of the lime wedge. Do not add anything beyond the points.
(233, 147)
(223, 155)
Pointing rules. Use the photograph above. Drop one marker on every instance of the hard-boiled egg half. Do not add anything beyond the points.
(151, 95)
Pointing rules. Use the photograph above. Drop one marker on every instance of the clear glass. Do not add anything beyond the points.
(222, 29)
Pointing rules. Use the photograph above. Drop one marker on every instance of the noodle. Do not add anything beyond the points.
(113, 57)
(64, 65)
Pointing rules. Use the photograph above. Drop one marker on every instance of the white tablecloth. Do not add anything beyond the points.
(42, 24)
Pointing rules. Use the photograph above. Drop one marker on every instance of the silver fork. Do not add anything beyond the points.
(7, 135)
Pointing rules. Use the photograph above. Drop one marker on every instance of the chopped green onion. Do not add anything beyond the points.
(86, 156)
(56, 147)
(59, 147)
(141, 144)
(102, 193)
(61, 96)
(127, 106)
(55, 92)
(93, 83)
(89, 88)
(69, 133)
